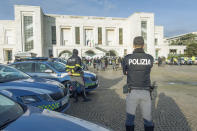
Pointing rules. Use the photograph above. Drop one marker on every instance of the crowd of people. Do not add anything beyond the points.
(102, 63)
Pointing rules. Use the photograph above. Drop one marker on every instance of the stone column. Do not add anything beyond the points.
(95, 35)
(73, 35)
(81, 36)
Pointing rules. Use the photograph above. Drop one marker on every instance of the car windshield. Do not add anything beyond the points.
(58, 66)
(9, 111)
(10, 74)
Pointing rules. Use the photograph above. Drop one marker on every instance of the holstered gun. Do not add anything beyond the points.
(126, 89)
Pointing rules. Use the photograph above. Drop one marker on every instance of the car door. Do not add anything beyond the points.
(44, 71)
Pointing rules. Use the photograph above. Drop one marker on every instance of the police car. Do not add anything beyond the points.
(50, 69)
(18, 117)
(42, 68)
(42, 93)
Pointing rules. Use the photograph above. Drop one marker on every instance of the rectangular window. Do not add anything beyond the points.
(53, 31)
(8, 55)
(50, 52)
(156, 54)
(156, 41)
(120, 36)
(28, 33)
(173, 51)
(100, 36)
(77, 35)
(125, 52)
(66, 36)
(89, 38)
(144, 33)
(110, 37)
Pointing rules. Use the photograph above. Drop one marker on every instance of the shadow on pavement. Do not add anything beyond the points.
(168, 116)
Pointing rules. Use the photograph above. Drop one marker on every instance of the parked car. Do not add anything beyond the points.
(53, 70)
(18, 117)
(38, 92)
(42, 68)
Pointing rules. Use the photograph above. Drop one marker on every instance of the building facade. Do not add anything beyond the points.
(46, 34)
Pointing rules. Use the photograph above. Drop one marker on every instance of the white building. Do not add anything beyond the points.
(45, 34)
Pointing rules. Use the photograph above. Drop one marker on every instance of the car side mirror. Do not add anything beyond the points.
(48, 71)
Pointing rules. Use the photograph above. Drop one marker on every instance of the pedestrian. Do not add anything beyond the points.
(94, 63)
(106, 62)
(137, 67)
(74, 69)
(113, 63)
(159, 61)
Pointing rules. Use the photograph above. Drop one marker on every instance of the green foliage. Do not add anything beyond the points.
(185, 40)
(191, 49)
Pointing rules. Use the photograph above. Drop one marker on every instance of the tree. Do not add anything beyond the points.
(191, 49)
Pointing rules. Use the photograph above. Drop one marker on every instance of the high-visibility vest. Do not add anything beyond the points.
(193, 58)
(71, 69)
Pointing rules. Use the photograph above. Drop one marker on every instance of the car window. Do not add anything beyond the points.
(58, 66)
(25, 67)
(41, 68)
(10, 74)
(9, 110)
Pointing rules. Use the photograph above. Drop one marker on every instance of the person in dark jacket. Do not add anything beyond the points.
(159, 61)
(137, 67)
(74, 69)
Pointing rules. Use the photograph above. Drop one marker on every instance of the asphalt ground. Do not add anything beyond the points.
(174, 107)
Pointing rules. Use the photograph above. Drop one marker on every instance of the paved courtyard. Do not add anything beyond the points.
(174, 109)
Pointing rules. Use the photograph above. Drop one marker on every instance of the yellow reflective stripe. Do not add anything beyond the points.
(75, 74)
(70, 66)
(77, 65)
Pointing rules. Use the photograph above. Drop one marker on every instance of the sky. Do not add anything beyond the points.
(177, 16)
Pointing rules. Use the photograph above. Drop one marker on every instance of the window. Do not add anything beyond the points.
(173, 51)
(89, 38)
(66, 36)
(53, 31)
(144, 33)
(110, 37)
(8, 55)
(156, 41)
(120, 36)
(41, 68)
(50, 52)
(77, 35)
(99, 35)
(25, 67)
(125, 52)
(157, 54)
(28, 33)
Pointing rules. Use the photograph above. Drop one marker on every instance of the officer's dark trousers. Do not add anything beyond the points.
(141, 97)
(80, 81)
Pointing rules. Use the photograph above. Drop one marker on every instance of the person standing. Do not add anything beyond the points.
(74, 69)
(137, 67)
(159, 61)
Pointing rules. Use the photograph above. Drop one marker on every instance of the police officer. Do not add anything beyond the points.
(74, 68)
(137, 67)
